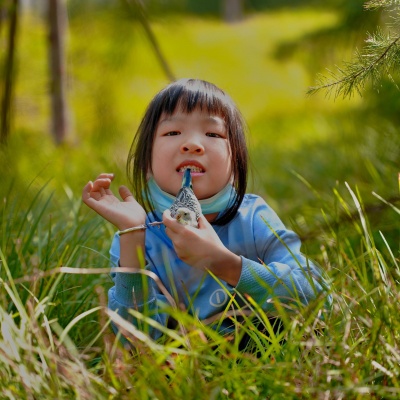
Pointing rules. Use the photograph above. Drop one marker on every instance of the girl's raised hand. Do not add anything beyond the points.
(123, 214)
(202, 248)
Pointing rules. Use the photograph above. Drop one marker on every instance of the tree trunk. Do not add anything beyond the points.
(9, 72)
(57, 15)
(232, 10)
(2, 13)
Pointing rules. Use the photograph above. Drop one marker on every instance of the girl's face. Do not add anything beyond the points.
(197, 140)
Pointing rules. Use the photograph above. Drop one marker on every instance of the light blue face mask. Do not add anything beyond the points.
(217, 203)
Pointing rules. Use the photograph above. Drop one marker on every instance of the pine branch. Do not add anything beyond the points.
(381, 55)
(374, 4)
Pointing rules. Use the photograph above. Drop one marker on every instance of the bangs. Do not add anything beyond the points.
(189, 94)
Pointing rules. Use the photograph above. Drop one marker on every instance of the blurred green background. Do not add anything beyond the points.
(302, 148)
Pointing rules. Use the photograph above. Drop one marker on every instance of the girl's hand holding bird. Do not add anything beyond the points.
(202, 248)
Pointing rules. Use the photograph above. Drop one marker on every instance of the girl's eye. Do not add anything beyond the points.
(172, 133)
(212, 134)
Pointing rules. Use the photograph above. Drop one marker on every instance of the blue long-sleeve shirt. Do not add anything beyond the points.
(272, 265)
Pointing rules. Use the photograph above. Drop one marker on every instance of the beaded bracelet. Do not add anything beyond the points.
(139, 227)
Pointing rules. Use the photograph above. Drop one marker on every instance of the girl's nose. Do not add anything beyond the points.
(192, 147)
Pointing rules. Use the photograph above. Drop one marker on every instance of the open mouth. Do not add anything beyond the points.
(192, 167)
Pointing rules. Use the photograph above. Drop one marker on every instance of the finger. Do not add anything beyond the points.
(126, 194)
(167, 214)
(101, 183)
(202, 222)
(106, 175)
(89, 197)
(86, 191)
(167, 218)
(171, 223)
(173, 235)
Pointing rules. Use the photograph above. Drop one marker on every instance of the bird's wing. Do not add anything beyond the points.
(186, 198)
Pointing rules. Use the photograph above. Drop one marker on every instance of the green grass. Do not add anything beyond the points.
(55, 339)
(56, 342)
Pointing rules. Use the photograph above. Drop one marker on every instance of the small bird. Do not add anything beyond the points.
(186, 208)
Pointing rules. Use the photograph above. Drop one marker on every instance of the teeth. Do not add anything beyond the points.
(192, 167)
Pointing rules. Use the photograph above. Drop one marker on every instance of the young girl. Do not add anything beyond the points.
(239, 240)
